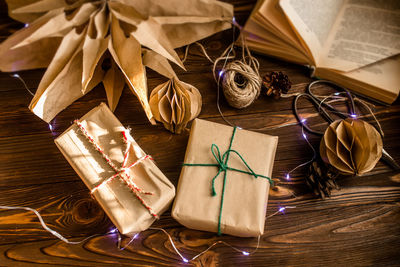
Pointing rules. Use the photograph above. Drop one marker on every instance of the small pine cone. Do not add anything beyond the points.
(276, 83)
(321, 179)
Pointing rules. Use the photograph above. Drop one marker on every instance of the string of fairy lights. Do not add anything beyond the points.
(332, 98)
(280, 210)
(135, 236)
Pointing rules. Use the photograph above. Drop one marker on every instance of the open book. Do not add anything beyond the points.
(355, 43)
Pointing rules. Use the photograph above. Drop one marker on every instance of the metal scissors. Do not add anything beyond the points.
(323, 108)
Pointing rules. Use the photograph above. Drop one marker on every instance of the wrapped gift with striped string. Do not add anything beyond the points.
(124, 180)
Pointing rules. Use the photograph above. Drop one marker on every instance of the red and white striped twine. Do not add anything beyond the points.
(122, 172)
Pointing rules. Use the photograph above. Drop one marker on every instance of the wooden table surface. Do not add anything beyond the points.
(358, 226)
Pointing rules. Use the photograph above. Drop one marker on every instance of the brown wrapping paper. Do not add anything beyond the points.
(117, 200)
(246, 197)
(72, 38)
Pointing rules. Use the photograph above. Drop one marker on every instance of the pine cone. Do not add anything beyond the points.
(276, 83)
(321, 179)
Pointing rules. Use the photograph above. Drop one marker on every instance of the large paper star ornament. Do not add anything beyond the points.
(83, 43)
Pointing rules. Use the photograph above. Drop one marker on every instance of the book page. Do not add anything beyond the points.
(256, 32)
(365, 32)
(312, 20)
(384, 74)
(270, 12)
(380, 80)
(264, 37)
(284, 52)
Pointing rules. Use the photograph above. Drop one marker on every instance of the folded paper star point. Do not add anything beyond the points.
(74, 40)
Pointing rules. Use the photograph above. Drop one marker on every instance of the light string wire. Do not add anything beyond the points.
(314, 156)
(48, 229)
(337, 98)
(16, 75)
(178, 252)
(254, 62)
(330, 99)
(228, 54)
(225, 56)
(135, 236)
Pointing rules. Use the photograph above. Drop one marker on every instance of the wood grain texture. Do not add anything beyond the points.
(358, 226)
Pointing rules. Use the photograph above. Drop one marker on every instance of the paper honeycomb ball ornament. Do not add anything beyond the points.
(352, 146)
(175, 104)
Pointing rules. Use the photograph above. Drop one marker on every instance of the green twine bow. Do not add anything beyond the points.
(222, 164)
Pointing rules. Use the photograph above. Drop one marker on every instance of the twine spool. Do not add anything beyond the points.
(241, 84)
(240, 79)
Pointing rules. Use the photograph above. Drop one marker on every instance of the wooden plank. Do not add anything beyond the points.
(357, 226)
(35, 156)
(359, 217)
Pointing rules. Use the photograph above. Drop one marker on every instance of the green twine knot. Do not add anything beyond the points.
(222, 164)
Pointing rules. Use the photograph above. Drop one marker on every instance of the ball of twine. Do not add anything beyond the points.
(241, 84)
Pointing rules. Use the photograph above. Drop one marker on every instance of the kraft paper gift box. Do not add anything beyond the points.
(123, 196)
(244, 196)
